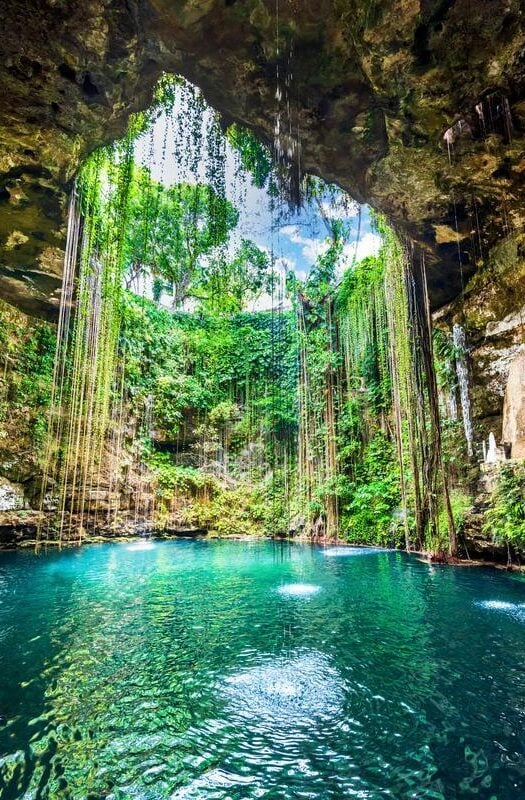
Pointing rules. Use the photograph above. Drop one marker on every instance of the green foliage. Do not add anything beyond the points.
(171, 478)
(255, 157)
(36, 368)
(505, 519)
(28, 349)
(36, 359)
(318, 287)
(372, 498)
(232, 380)
(172, 232)
(319, 362)
(229, 283)
(462, 473)
(444, 357)
(361, 311)
(460, 503)
(228, 512)
(199, 362)
(178, 236)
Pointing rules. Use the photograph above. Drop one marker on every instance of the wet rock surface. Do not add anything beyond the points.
(514, 408)
(491, 310)
(12, 497)
(416, 107)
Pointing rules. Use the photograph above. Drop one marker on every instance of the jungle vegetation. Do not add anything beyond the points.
(327, 416)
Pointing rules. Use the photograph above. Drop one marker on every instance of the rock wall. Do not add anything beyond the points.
(417, 107)
(513, 429)
(12, 496)
(492, 311)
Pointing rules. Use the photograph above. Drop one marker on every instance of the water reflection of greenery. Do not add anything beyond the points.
(129, 684)
(134, 699)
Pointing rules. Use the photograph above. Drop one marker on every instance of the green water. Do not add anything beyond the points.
(199, 670)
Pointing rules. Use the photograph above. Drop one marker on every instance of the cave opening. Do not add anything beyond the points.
(190, 230)
(240, 347)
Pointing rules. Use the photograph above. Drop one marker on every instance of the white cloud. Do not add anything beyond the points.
(285, 265)
(311, 248)
(292, 233)
(342, 208)
(368, 245)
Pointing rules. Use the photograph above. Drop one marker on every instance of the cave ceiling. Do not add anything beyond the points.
(417, 108)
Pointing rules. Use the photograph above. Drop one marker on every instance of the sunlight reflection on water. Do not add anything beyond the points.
(287, 690)
(140, 546)
(352, 551)
(298, 589)
(516, 610)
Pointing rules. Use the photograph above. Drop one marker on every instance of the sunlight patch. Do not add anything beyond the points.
(516, 610)
(351, 551)
(287, 691)
(214, 779)
(298, 589)
(140, 546)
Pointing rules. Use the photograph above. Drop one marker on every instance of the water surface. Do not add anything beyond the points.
(226, 670)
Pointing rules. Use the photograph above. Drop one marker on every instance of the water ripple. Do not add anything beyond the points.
(189, 674)
(290, 691)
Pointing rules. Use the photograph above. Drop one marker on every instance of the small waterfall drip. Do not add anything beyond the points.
(492, 454)
(460, 344)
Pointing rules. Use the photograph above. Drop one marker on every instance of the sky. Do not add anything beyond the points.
(294, 238)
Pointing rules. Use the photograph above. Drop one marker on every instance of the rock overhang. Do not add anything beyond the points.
(384, 97)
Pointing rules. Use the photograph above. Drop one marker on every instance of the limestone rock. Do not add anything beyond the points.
(492, 310)
(514, 408)
(12, 496)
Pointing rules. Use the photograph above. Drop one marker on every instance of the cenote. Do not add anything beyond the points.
(262, 400)
(182, 671)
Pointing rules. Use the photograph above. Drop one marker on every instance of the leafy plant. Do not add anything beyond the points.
(373, 497)
(505, 519)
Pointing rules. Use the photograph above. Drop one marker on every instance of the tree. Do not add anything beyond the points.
(229, 284)
(172, 234)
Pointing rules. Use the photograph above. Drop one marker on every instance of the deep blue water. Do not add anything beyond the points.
(214, 670)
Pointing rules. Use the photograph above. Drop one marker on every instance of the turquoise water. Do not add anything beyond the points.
(203, 670)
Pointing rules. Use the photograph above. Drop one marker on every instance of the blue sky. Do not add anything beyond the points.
(295, 239)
